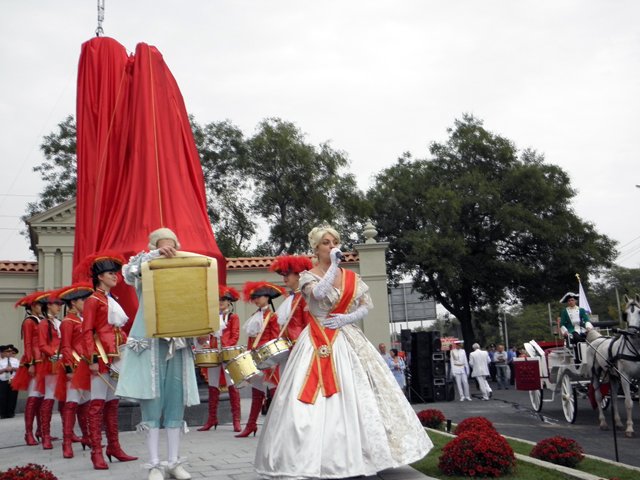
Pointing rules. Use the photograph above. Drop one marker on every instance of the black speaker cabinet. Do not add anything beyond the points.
(438, 365)
(405, 340)
(439, 390)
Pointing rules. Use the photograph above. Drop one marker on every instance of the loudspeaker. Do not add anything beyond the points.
(405, 340)
(439, 390)
(421, 393)
(436, 345)
(438, 365)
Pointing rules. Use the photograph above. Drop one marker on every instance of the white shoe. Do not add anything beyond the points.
(156, 473)
(178, 472)
(462, 399)
(468, 399)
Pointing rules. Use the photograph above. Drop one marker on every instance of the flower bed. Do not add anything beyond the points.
(431, 417)
(482, 453)
(558, 450)
(30, 471)
(474, 424)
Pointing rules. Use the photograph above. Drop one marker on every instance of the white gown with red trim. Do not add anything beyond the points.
(366, 427)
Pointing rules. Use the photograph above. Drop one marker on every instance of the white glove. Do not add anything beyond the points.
(322, 289)
(338, 320)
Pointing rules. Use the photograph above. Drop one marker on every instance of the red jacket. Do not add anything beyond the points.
(300, 318)
(72, 340)
(270, 332)
(230, 334)
(96, 328)
(31, 350)
(49, 344)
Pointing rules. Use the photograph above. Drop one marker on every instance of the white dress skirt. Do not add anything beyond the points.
(366, 427)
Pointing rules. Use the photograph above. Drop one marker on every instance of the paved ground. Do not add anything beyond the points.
(219, 455)
(214, 454)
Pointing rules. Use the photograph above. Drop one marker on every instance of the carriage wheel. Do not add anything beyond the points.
(536, 399)
(569, 399)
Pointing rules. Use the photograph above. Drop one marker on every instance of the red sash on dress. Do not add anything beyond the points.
(321, 374)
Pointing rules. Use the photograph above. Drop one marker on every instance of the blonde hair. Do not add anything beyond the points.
(316, 234)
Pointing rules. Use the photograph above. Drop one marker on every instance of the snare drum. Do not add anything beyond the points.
(207, 358)
(229, 353)
(242, 369)
(272, 353)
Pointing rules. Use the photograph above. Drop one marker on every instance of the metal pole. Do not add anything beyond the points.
(550, 320)
(619, 309)
(404, 304)
(506, 333)
(99, 30)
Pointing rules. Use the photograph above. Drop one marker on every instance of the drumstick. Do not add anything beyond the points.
(106, 381)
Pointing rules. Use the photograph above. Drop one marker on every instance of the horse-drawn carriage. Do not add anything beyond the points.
(586, 369)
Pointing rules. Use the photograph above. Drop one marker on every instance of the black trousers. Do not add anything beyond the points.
(8, 400)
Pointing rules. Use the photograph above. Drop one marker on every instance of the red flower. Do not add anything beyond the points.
(31, 471)
(558, 450)
(474, 424)
(477, 453)
(431, 417)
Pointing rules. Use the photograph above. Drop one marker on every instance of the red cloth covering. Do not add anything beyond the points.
(138, 166)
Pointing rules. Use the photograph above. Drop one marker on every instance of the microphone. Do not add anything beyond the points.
(340, 256)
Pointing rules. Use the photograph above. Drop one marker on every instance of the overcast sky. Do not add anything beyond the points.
(376, 78)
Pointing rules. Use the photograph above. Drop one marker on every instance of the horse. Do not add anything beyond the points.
(617, 358)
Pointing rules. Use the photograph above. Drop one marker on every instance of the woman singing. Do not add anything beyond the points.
(338, 411)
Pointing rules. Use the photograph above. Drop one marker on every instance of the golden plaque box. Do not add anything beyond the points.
(180, 296)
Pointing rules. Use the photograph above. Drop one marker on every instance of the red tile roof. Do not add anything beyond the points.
(244, 263)
(18, 267)
(247, 263)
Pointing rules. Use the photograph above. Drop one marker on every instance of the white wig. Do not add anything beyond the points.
(162, 234)
(316, 234)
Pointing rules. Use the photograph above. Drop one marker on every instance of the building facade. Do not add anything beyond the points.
(51, 234)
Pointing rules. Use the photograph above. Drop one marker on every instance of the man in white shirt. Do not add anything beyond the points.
(460, 369)
(479, 361)
(8, 367)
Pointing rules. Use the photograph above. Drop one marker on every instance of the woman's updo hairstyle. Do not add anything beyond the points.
(316, 234)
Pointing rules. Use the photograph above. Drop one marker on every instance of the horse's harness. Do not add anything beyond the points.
(626, 342)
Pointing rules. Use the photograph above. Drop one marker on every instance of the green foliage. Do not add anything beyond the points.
(222, 150)
(602, 297)
(477, 226)
(297, 186)
(529, 322)
(58, 170)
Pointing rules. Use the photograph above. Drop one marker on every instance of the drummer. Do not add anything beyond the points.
(218, 378)
(261, 328)
(158, 372)
(103, 334)
(49, 343)
(293, 315)
(71, 349)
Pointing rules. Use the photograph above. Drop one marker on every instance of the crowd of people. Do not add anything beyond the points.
(330, 412)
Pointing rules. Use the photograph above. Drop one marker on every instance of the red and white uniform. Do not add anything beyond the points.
(229, 334)
(31, 356)
(271, 331)
(72, 352)
(300, 317)
(49, 344)
(98, 334)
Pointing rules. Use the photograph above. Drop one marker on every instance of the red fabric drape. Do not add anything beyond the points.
(138, 167)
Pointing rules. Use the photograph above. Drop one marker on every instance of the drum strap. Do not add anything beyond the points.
(265, 322)
(321, 374)
(296, 302)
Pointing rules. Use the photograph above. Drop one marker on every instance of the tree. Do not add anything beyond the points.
(602, 297)
(298, 186)
(223, 151)
(58, 170)
(476, 226)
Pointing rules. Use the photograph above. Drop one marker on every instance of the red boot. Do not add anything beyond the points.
(257, 397)
(234, 400)
(68, 421)
(212, 421)
(81, 412)
(111, 426)
(39, 401)
(29, 416)
(95, 416)
(46, 410)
